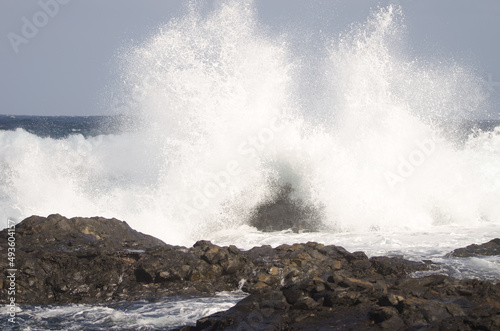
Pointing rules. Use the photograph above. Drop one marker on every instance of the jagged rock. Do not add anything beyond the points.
(307, 286)
(431, 302)
(491, 248)
(395, 266)
(85, 235)
(88, 260)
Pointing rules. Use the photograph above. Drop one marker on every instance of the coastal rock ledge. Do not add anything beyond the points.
(291, 287)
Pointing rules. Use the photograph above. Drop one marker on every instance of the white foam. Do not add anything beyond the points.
(217, 124)
(167, 313)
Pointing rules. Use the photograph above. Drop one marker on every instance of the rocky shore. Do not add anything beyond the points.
(307, 286)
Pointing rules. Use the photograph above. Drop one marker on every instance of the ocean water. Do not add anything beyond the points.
(139, 315)
(215, 114)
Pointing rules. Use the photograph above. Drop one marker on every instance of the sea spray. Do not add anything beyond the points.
(216, 132)
(216, 98)
(391, 165)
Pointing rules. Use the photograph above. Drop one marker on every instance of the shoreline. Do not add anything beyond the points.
(97, 261)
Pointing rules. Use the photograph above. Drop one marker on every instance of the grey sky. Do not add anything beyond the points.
(65, 67)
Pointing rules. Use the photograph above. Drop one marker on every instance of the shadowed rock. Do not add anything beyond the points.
(284, 212)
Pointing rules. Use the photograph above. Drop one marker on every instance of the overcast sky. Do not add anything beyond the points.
(64, 66)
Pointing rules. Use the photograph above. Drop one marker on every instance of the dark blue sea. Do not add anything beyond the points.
(58, 127)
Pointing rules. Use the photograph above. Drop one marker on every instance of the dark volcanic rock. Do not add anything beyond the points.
(491, 248)
(58, 233)
(62, 260)
(429, 303)
(395, 266)
(284, 212)
(291, 287)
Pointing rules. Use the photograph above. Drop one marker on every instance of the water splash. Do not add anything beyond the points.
(217, 132)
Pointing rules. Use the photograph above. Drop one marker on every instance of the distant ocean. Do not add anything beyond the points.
(60, 127)
(219, 120)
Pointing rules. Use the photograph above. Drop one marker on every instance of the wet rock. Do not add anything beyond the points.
(107, 261)
(382, 314)
(390, 300)
(428, 303)
(283, 212)
(395, 266)
(356, 284)
(308, 303)
(292, 287)
(84, 235)
(265, 311)
(292, 293)
(491, 248)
